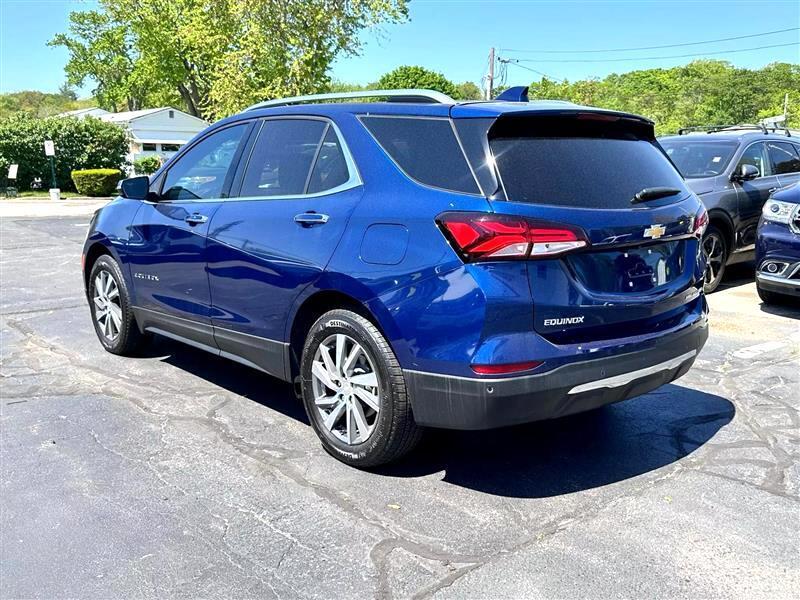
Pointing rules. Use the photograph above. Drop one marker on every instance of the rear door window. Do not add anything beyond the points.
(330, 169)
(282, 157)
(581, 170)
(425, 149)
(784, 157)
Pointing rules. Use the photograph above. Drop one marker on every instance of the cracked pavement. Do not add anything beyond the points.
(180, 474)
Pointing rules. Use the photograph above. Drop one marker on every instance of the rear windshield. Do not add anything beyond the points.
(426, 149)
(586, 172)
(699, 158)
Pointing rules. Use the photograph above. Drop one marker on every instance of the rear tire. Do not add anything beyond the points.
(110, 305)
(354, 392)
(715, 249)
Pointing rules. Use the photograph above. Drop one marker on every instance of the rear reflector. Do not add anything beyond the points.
(506, 368)
(482, 236)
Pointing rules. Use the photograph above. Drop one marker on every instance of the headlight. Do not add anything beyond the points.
(778, 212)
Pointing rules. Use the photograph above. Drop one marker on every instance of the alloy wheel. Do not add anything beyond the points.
(714, 250)
(346, 389)
(107, 307)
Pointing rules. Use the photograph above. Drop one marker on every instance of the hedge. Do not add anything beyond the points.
(80, 144)
(96, 182)
(146, 165)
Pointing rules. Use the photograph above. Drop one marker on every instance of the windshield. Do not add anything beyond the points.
(699, 158)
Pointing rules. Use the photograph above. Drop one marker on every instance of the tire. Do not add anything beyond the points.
(716, 250)
(110, 305)
(340, 398)
(768, 297)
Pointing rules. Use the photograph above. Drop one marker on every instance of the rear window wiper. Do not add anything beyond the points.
(654, 193)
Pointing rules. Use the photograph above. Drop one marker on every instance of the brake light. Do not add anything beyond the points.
(482, 236)
(506, 368)
(700, 222)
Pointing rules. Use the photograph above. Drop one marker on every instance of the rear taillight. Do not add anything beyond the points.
(700, 222)
(482, 236)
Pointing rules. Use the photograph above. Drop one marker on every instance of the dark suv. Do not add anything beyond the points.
(733, 170)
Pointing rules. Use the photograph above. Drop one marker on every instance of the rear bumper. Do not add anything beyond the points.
(479, 403)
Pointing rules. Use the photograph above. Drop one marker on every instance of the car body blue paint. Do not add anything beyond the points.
(250, 267)
(780, 242)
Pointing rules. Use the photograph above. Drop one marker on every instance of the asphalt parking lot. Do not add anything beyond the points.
(179, 474)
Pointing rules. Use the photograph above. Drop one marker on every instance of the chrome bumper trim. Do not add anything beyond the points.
(626, 378)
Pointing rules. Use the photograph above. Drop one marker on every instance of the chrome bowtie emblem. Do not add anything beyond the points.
(655, 231)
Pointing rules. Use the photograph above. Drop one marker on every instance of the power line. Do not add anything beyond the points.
(527, 68)
(607, 60)
(727, 39)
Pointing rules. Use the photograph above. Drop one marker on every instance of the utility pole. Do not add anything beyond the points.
(490, 76)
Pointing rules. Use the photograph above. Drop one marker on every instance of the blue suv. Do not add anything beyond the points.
(778, 247)
(414, 262)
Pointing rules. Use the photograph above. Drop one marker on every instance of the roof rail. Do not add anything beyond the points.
(742, 127)
(408, 95)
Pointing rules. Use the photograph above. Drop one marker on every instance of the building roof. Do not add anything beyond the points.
(131, 115)
(83, 112)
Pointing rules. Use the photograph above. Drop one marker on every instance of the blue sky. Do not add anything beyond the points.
(454, 36)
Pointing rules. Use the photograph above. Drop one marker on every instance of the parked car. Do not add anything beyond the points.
(778, 247)
(733, 170)
(414, 263)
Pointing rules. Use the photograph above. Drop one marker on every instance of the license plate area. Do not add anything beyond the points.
(630, 270)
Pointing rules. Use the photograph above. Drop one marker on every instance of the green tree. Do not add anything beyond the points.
(80, 144)
(406, 77)
(703, 92)
(468, 91)
(217, 57)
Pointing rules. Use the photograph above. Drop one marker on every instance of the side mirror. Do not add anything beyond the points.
(746, 173)
(136, 188)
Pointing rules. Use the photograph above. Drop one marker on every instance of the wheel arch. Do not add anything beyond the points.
(317, 303)
(722, 221)
(92, 253)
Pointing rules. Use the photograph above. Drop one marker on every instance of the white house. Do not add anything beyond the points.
(154, 131)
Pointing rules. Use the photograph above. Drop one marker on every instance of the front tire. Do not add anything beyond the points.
(354, 392)
(715, 249)
(110, 305)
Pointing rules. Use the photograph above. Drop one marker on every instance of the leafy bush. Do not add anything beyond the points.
(417, 77)
(146, 165)
(80, 144)
(96, 182)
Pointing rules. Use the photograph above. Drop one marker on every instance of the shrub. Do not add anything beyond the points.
(146, 165)
(80, 144)
(417, 77)
(96, 182)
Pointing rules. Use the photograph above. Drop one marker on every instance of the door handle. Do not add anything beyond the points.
(775, 189)
(195, 219)
(308, 219)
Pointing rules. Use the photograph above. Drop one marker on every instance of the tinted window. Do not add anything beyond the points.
(784, 157)
(582, 171)
(282, 156)
(201, 172)
(695, 158)
(170, 147)
(426, 149)
(754, 155)
(330, 170)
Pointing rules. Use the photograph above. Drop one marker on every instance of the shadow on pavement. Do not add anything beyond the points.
(738, 274)
(538, 460)
(575, 453)
(788, 306)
